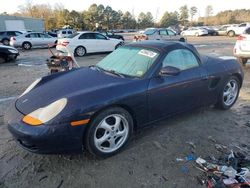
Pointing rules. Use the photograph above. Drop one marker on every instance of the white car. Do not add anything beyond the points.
(193, 31)
(65, 33)
(237, 29)
(81, 43)
(32, 39)
(242, 47)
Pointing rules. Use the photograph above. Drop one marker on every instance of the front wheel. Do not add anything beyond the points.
(118, 45)
(109, 132)
(229, 94)
(26, 46)
(182, 40)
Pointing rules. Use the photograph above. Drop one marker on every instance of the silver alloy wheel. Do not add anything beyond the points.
(111, 133)
(80, 51)
(26, 46)
(230, 92)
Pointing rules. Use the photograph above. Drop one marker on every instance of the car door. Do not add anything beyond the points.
(103, 44)
(172, 35)
(173, 94)
(47, 39)
(88, 41)
(164, 35)
(34, 39)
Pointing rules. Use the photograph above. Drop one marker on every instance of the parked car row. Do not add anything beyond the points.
(165, 34)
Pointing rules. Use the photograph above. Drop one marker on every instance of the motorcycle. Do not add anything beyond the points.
(61, 61)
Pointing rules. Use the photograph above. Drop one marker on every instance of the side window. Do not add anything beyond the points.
(34, 35)
(87, 36)
(11, 33)
(171, 33)
(18, 33)
(44, 35)
(99, 36)
(163, 32)
(64, 32)
(242, 25)
(182, 59)
(69, 32)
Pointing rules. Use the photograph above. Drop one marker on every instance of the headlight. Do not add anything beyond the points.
(13, 51)
(31, 86)
(45, 114)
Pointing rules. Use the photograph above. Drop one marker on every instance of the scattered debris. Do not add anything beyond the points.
(234, 173)
(190, 157)
(220, 147)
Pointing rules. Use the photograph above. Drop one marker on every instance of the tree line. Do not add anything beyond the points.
(99, 16)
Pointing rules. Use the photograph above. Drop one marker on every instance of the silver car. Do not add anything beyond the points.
(33, 39)
(159, 34)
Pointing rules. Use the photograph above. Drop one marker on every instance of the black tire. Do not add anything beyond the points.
(6, 42)
(231, 33)
(2, 60)
(182, 40)
(242, 61)
(80, 51)
(26, 45)
(118, 45)
(94, 126)
(221, 104)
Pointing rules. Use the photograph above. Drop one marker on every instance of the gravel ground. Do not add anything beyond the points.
(150, 158)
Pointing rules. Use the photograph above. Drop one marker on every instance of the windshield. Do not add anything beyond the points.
(150, 31)
(72, 35)
(129, 61)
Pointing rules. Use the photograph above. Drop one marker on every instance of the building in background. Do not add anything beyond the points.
(16, 23)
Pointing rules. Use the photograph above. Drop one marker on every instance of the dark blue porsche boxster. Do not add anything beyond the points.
(98, 107)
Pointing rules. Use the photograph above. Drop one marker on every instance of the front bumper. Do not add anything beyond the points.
(45, 139)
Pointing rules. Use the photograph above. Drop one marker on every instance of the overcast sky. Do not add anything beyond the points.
(136, 6)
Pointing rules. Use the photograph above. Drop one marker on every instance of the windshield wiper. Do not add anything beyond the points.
(116, 73)
(108, 71)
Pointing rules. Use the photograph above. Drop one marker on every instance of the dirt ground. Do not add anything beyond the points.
(150, 158)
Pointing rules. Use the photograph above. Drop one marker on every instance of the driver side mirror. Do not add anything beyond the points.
(107, 38)
(169, 70)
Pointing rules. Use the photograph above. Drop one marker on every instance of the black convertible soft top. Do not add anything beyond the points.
(164, 46)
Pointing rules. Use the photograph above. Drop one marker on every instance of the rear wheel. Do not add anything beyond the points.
(109, 132)
(6, 42)
(231, 33)
(2, 60)
(242, 61)
(182, 40)
(26, 46)
(196, 34)
(229, 94)
(80, 51)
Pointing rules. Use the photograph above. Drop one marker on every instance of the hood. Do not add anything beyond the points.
(7, 47)
(83, 81)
